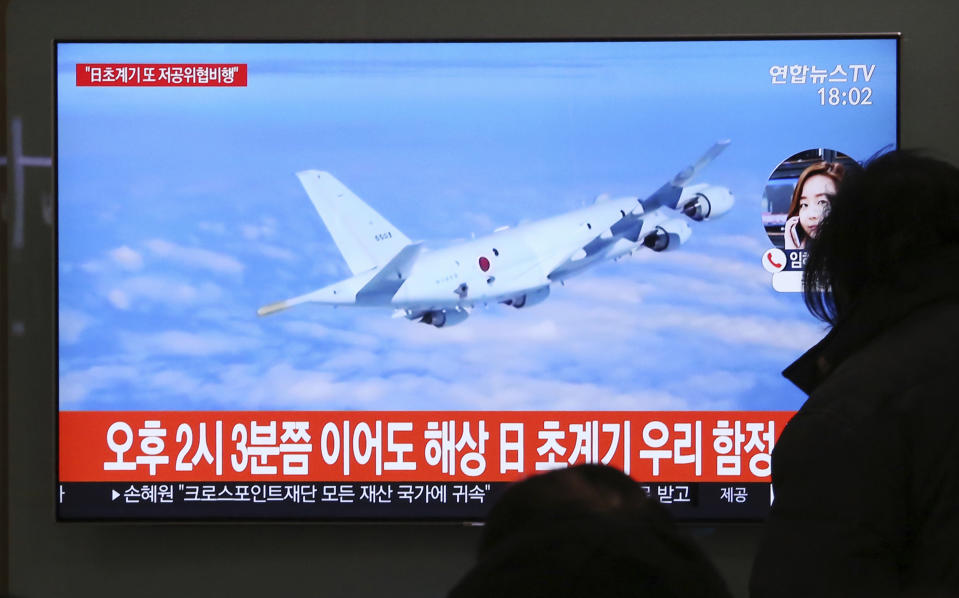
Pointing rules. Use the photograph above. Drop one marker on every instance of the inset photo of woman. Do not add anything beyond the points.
(799, 193)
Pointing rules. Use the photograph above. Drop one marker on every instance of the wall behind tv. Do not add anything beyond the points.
(47, 559)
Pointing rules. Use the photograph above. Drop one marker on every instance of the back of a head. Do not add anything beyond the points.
(901, 208)
(586, 531)
(562, 495)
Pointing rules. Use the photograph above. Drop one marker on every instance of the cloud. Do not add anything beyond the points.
(266, 229)
(162, 290)
(189, 344)
(72, 325)
(126, 258)
(731, 270)
(217, 228)
(477, 222)
(285, 386)
(740, 330)
(281, 386)
(197, 258)
(529, 393)
(77, 385)
(353, 360)
(276, 252)
(118, 299)
(175, 381)
(709, 293)
(605, 289)
(484, 327)
(602, 342)
(719, 382)
(92, 267)
(318, 331)
(746, 243)
(598, 330)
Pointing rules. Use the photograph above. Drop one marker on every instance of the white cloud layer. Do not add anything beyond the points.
(188, 344)
(195, 257)
(72, 324)
(276, 252)
(119, 299)
(126, 258)
(284, 386)
(264, 230)
(78, 385)
(130, 292)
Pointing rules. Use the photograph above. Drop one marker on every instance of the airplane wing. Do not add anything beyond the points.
(668, 194)
(570, 247)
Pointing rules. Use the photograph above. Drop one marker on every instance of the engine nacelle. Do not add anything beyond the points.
(445, 317)
(702, 202)
(668, 236)
(528, 299)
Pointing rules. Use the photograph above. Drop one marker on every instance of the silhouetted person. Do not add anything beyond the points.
(587, 531)
(866, 475)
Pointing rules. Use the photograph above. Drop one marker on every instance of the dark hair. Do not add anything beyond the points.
(900, 208)
(588, 530)
(833, 170)
(564, 494)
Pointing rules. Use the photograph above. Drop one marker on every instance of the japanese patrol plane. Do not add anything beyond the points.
(514, 266)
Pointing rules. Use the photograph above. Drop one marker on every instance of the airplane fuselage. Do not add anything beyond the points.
(515, 266)
(504, 265)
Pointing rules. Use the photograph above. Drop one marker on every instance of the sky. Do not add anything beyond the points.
(180, 214)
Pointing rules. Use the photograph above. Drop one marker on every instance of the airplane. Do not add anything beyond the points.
(513, 266)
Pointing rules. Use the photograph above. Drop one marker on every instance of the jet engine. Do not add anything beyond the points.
(445, 317)
(530, 298)
(702, 202)
(668, 236)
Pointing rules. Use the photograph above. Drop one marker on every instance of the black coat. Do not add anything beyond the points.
(866, 475)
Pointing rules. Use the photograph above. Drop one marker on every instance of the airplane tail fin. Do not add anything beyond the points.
(365, 239)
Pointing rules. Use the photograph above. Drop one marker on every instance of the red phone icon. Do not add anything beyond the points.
(769, 256)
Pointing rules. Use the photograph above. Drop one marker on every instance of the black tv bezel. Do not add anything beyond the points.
(227, 519)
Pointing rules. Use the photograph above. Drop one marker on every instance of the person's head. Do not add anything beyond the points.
(901, 208)
(589, 530)
(812, 196)
(564, 494)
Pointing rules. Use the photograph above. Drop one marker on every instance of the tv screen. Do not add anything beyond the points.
(381, 281)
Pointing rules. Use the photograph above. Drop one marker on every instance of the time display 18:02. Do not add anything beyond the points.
(854, 96)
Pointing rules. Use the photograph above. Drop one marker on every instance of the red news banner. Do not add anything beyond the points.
(161, 75)
(421, 446)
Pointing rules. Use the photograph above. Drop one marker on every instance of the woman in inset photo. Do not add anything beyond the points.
(810, 202)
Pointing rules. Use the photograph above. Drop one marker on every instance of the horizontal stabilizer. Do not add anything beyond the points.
(391, 276)
(374, 287)
(272, 308)
(286, 304)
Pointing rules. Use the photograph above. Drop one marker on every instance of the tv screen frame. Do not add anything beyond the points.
(665, 176)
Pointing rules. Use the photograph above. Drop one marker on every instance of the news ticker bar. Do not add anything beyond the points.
(725, 447)
(362, 501)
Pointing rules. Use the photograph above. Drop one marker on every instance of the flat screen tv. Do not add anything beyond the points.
(380, 281)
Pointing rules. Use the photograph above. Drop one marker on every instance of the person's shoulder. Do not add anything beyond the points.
(920, 351)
